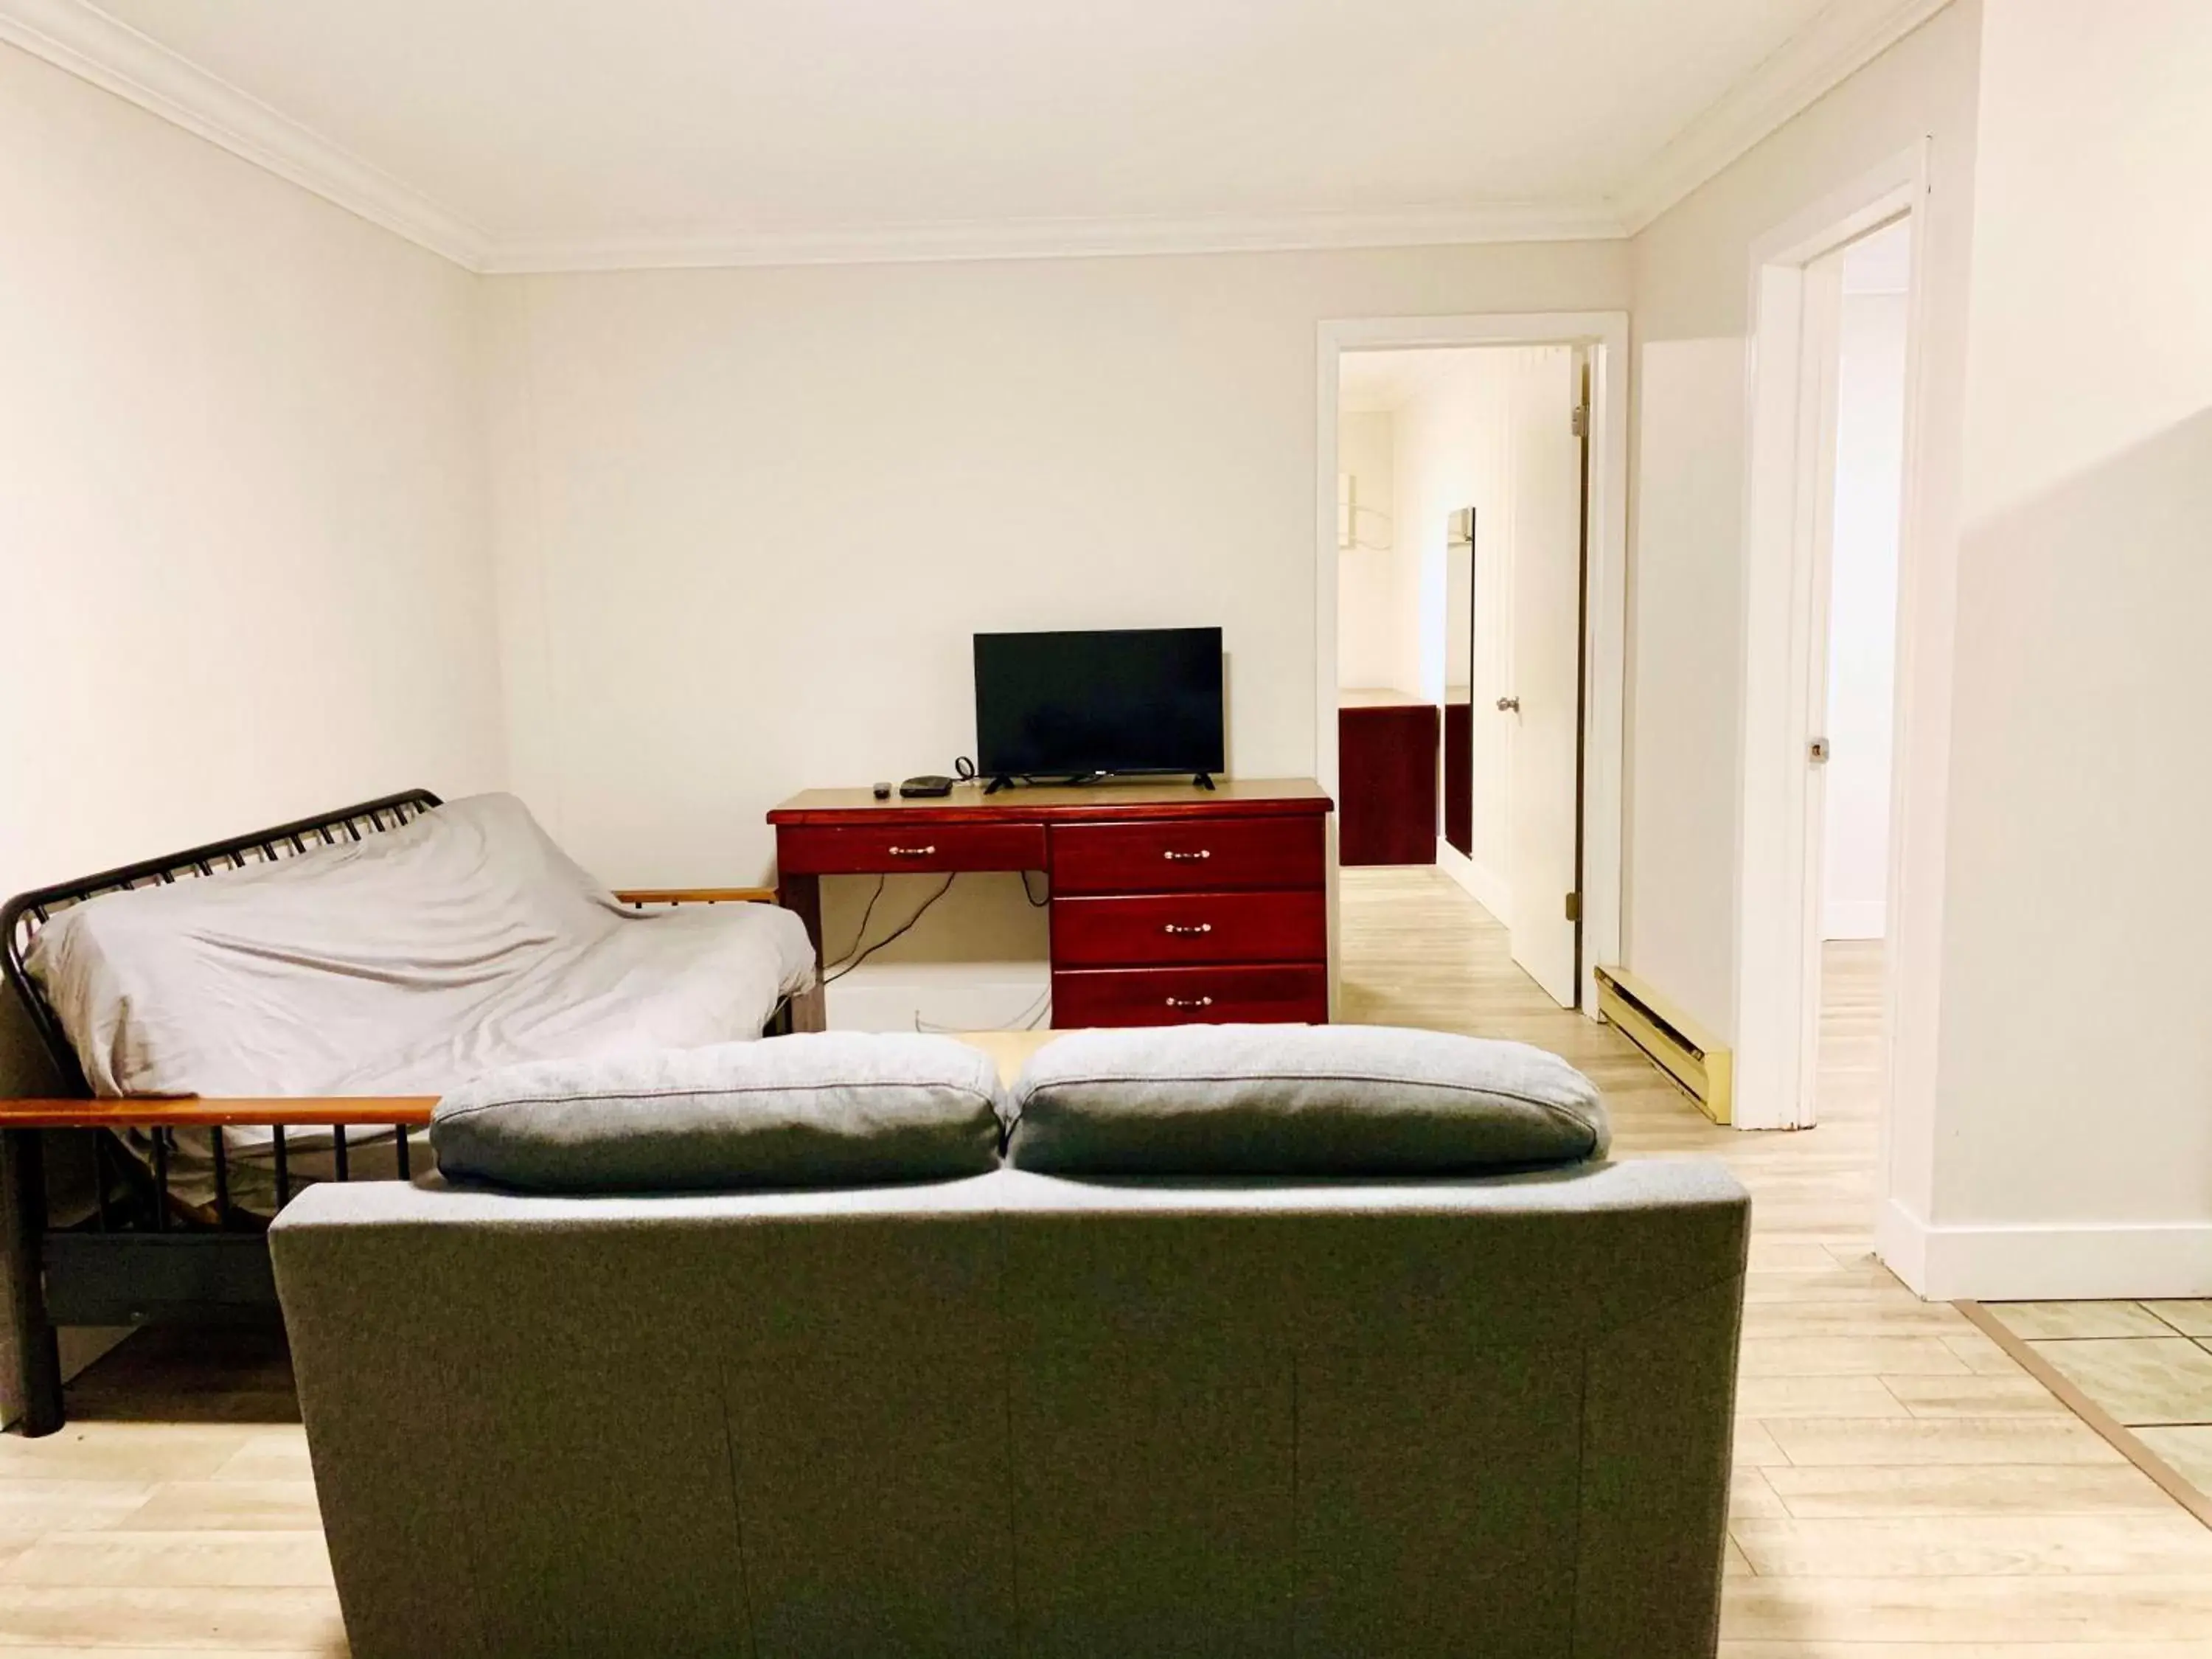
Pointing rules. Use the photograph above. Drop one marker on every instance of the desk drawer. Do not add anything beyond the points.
(1163, 928)
(1190, 996)
(813, 850)
(1172, 855)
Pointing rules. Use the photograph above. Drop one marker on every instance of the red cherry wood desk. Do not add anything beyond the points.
(1170, 903)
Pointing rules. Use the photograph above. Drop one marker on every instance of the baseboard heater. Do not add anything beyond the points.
(1682, 1048)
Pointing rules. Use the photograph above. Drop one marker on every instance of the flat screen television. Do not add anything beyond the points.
(1074, 705)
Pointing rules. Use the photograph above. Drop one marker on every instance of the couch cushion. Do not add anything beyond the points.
(1294, 1100)
(825, 1108)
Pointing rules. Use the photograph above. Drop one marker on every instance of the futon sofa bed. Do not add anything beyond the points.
(234, 1021)
(1149, 1384)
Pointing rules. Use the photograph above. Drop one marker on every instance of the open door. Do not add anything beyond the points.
(1545, 703)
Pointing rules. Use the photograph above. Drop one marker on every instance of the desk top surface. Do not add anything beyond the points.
(1036, 803)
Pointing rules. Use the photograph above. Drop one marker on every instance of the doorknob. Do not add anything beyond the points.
(1508, 705)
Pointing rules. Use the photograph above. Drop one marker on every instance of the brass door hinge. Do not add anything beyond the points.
(1574, 907)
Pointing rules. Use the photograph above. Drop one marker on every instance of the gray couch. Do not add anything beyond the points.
(1020, 1414)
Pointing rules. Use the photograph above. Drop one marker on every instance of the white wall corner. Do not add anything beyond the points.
(117, 59)
(1842, 38)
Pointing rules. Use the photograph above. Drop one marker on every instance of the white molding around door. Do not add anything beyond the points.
(1606, 634)
(1777, 911)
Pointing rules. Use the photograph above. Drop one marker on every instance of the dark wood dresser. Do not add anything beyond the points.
(1171, 904)
(1386, 750)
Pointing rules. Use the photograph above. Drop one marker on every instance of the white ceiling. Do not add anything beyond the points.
(522, 133)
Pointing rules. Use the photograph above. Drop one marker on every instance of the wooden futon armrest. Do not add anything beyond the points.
(636, 896)
(199, 1112)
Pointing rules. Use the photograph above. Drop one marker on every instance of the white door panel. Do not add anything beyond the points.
(1546, 612)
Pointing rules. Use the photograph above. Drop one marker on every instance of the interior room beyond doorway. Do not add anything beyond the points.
(1461, 484)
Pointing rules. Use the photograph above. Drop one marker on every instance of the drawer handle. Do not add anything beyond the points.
(912, 852)
(1174, 857)
(1190, 1002)
(1180, 927)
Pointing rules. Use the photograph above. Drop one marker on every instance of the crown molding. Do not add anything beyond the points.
(1060, 239)
(89, 44)
(1842, 38)
(74, 36)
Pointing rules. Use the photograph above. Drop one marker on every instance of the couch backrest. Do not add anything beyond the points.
(1018, 1414)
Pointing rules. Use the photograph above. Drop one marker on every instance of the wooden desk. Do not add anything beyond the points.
(1171, 904)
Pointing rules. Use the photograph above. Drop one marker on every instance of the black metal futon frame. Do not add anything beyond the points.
(140, 1257)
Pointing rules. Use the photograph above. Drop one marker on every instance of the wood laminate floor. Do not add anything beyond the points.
(1903, 1490)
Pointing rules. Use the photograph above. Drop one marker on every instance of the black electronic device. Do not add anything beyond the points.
(928, 786)
(883, 792)
(1091, 703)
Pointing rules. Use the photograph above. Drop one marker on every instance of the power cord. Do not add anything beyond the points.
(899, 932)
(861, 932)
(1028, 1020)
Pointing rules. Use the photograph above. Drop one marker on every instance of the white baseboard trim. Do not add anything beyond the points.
(982, 996)
(1488, 888)
(1855, 919)
(1900, 1239)
(2093, 1261)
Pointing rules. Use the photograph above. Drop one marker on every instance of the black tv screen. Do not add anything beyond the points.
(1072, 704)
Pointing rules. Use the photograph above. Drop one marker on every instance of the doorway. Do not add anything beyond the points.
(1460, 628)
(1469, 599)
(1829, 764)
(1854, 593)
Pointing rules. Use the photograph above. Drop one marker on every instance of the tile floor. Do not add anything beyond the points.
(2148, 1363)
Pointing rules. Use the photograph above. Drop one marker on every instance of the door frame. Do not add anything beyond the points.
(1605, 629)
(1788, 481)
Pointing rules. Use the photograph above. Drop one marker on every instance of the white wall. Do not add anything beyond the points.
(1374, 638)
(244, 512)
(2076, 1150)
(750, 519)
(1693, 282)
(1869, 480)
(1451, 450)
